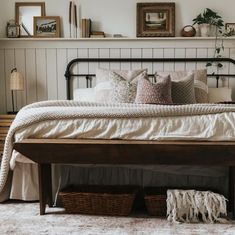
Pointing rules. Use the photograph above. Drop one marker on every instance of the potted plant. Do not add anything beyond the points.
(209, 23)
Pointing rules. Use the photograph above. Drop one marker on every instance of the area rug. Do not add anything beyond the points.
(24, 219)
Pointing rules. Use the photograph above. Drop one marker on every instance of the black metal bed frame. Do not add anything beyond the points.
(69, 75)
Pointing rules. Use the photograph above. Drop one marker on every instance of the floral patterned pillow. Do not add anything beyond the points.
(122, 91)
(154, 93)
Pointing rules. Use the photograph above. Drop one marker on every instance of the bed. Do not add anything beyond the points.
(214, 151)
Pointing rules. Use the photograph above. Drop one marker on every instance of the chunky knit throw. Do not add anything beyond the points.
(62, 110)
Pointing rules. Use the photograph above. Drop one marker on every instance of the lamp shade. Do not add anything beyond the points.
(16, 81)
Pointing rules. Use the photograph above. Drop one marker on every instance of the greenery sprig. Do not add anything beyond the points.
(213, 18)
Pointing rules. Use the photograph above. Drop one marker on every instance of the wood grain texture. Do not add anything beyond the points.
(5, 123)
(127, 152)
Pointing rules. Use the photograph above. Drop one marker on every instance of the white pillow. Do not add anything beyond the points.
(103, 91)
(220, 94)
(84, 94)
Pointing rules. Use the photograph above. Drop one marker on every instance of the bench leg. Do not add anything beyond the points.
(48, 185)
(232, 190)
(45, 189)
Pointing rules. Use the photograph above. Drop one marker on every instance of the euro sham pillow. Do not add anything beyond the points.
(154, 93)
(200, 82)
(182, 91)
(221, 94)
(104, 77)
(84, 94)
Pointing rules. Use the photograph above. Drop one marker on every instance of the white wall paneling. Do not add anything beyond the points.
(52, 74)
(104, 53)
(9, 65)
(43, 62)
(41, 71)
(62, 61)
(136, 53)
(20, 65)
(31, 75)
(3, 102)
(124, 53)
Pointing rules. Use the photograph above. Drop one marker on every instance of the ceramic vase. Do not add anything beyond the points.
(205, 30)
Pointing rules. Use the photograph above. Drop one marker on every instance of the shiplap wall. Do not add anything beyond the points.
(43, 63)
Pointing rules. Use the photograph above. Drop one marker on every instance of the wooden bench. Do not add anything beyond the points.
(66, 151)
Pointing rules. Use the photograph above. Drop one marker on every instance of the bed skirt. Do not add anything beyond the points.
(25, 178)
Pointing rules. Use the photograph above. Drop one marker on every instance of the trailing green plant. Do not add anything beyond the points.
(213, 18)
(209, 17)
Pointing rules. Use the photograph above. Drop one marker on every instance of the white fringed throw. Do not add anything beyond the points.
(190, 205)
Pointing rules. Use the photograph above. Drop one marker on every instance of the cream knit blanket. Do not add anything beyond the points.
(57, 110)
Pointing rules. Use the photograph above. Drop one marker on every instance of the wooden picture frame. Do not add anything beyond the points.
(47, 27)
(230, 28)
(155, 20)
(36, 9)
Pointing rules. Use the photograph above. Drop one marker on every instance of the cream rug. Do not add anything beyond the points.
(24, 219)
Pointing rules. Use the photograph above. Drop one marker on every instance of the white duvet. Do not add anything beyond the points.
(211, 127)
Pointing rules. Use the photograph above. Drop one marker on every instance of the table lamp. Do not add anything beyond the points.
(16, 84)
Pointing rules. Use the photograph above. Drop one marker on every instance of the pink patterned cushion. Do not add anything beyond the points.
(154, 93)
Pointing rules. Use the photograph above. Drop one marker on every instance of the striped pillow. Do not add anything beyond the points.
(182, 91)
(200, 82)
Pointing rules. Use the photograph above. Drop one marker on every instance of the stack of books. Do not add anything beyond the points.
(86, 28)
(97, 34)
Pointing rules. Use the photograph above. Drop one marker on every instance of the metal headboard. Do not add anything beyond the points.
(69, 75)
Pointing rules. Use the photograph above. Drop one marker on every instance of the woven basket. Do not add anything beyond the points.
(98, 200)
(155, 201)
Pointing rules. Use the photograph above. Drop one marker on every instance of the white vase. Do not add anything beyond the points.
(213, 31)
(205, 30)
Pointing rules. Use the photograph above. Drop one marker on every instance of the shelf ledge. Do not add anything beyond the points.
(116, 39)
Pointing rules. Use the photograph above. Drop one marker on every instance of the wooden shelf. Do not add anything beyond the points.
(116, 39)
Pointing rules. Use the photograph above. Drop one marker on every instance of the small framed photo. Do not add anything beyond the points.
(230, 29)
(46, 26)
(155, 20)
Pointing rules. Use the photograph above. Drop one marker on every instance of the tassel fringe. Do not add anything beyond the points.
(194, 206)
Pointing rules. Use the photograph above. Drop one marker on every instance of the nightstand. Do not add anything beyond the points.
(5, 123)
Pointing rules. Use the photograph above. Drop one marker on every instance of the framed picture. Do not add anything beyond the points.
(47, 26)
(24, 13)
(155, 19)
(230, 28)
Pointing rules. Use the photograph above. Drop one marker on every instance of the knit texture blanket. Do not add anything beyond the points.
(62, 110)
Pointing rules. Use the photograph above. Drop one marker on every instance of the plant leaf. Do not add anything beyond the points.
(217, 50)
